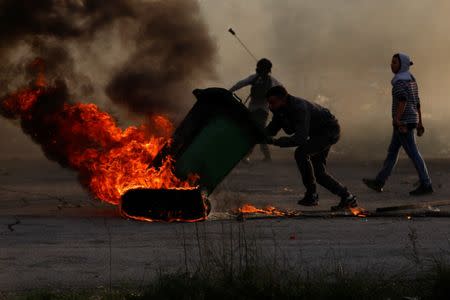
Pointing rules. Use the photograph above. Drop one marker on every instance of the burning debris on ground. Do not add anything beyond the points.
(250, 210)
(109, 160)
(268, 210)
(170, 205)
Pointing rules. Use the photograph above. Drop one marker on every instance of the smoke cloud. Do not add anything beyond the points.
(337, 53)
(173, 49)
(145, 56)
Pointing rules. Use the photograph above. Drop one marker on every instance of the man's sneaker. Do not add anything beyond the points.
(347, 202)
(374, 184)
(422, 190)
(310, 199)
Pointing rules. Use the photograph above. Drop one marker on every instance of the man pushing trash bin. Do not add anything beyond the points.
(313, 130)
(260, 83)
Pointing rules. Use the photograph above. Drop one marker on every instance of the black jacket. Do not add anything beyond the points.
(302, 120)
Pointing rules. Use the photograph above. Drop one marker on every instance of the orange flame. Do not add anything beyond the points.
(110, 160)
(20, 102)
(273, 211)
(171, 219)
(359, 212)
(39, 65)
(268, 210)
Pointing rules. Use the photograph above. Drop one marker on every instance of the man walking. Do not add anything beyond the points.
(313, 130)
(260, 83)
(406, 118)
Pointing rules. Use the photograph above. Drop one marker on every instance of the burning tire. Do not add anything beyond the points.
(165, 205)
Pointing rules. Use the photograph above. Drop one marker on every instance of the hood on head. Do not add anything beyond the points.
(405, 62)
(403, 73)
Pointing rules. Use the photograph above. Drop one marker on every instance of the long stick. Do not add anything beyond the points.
(414, 206)
(242, 43)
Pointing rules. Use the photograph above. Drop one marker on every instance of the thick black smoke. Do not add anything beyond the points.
(165, 48)
(173, 49)
(60, 19)
(45, 29)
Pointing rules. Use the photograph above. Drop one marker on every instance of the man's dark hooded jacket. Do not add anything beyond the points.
(302, 120)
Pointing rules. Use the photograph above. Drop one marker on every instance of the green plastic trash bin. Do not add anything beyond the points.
(216, 135)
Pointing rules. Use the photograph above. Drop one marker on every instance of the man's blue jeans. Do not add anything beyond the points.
(408, 142)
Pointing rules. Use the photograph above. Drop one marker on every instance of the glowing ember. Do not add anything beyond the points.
(273, 211)
(268, 210)
(110, 161)
(359, 212)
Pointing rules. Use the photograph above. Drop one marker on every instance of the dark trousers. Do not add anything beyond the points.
(408, 142)
(312, 160)
(260, 117)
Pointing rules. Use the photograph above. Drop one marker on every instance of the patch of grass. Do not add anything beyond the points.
(267, 283)
(235, 268)
(75, 295)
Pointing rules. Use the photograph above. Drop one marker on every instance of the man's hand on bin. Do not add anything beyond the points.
(280, 142)
(269, 140)
(272, 141)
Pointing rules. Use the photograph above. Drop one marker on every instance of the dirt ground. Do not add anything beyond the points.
(54, 235)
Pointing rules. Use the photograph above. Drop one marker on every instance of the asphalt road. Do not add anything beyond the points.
(52, 234)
